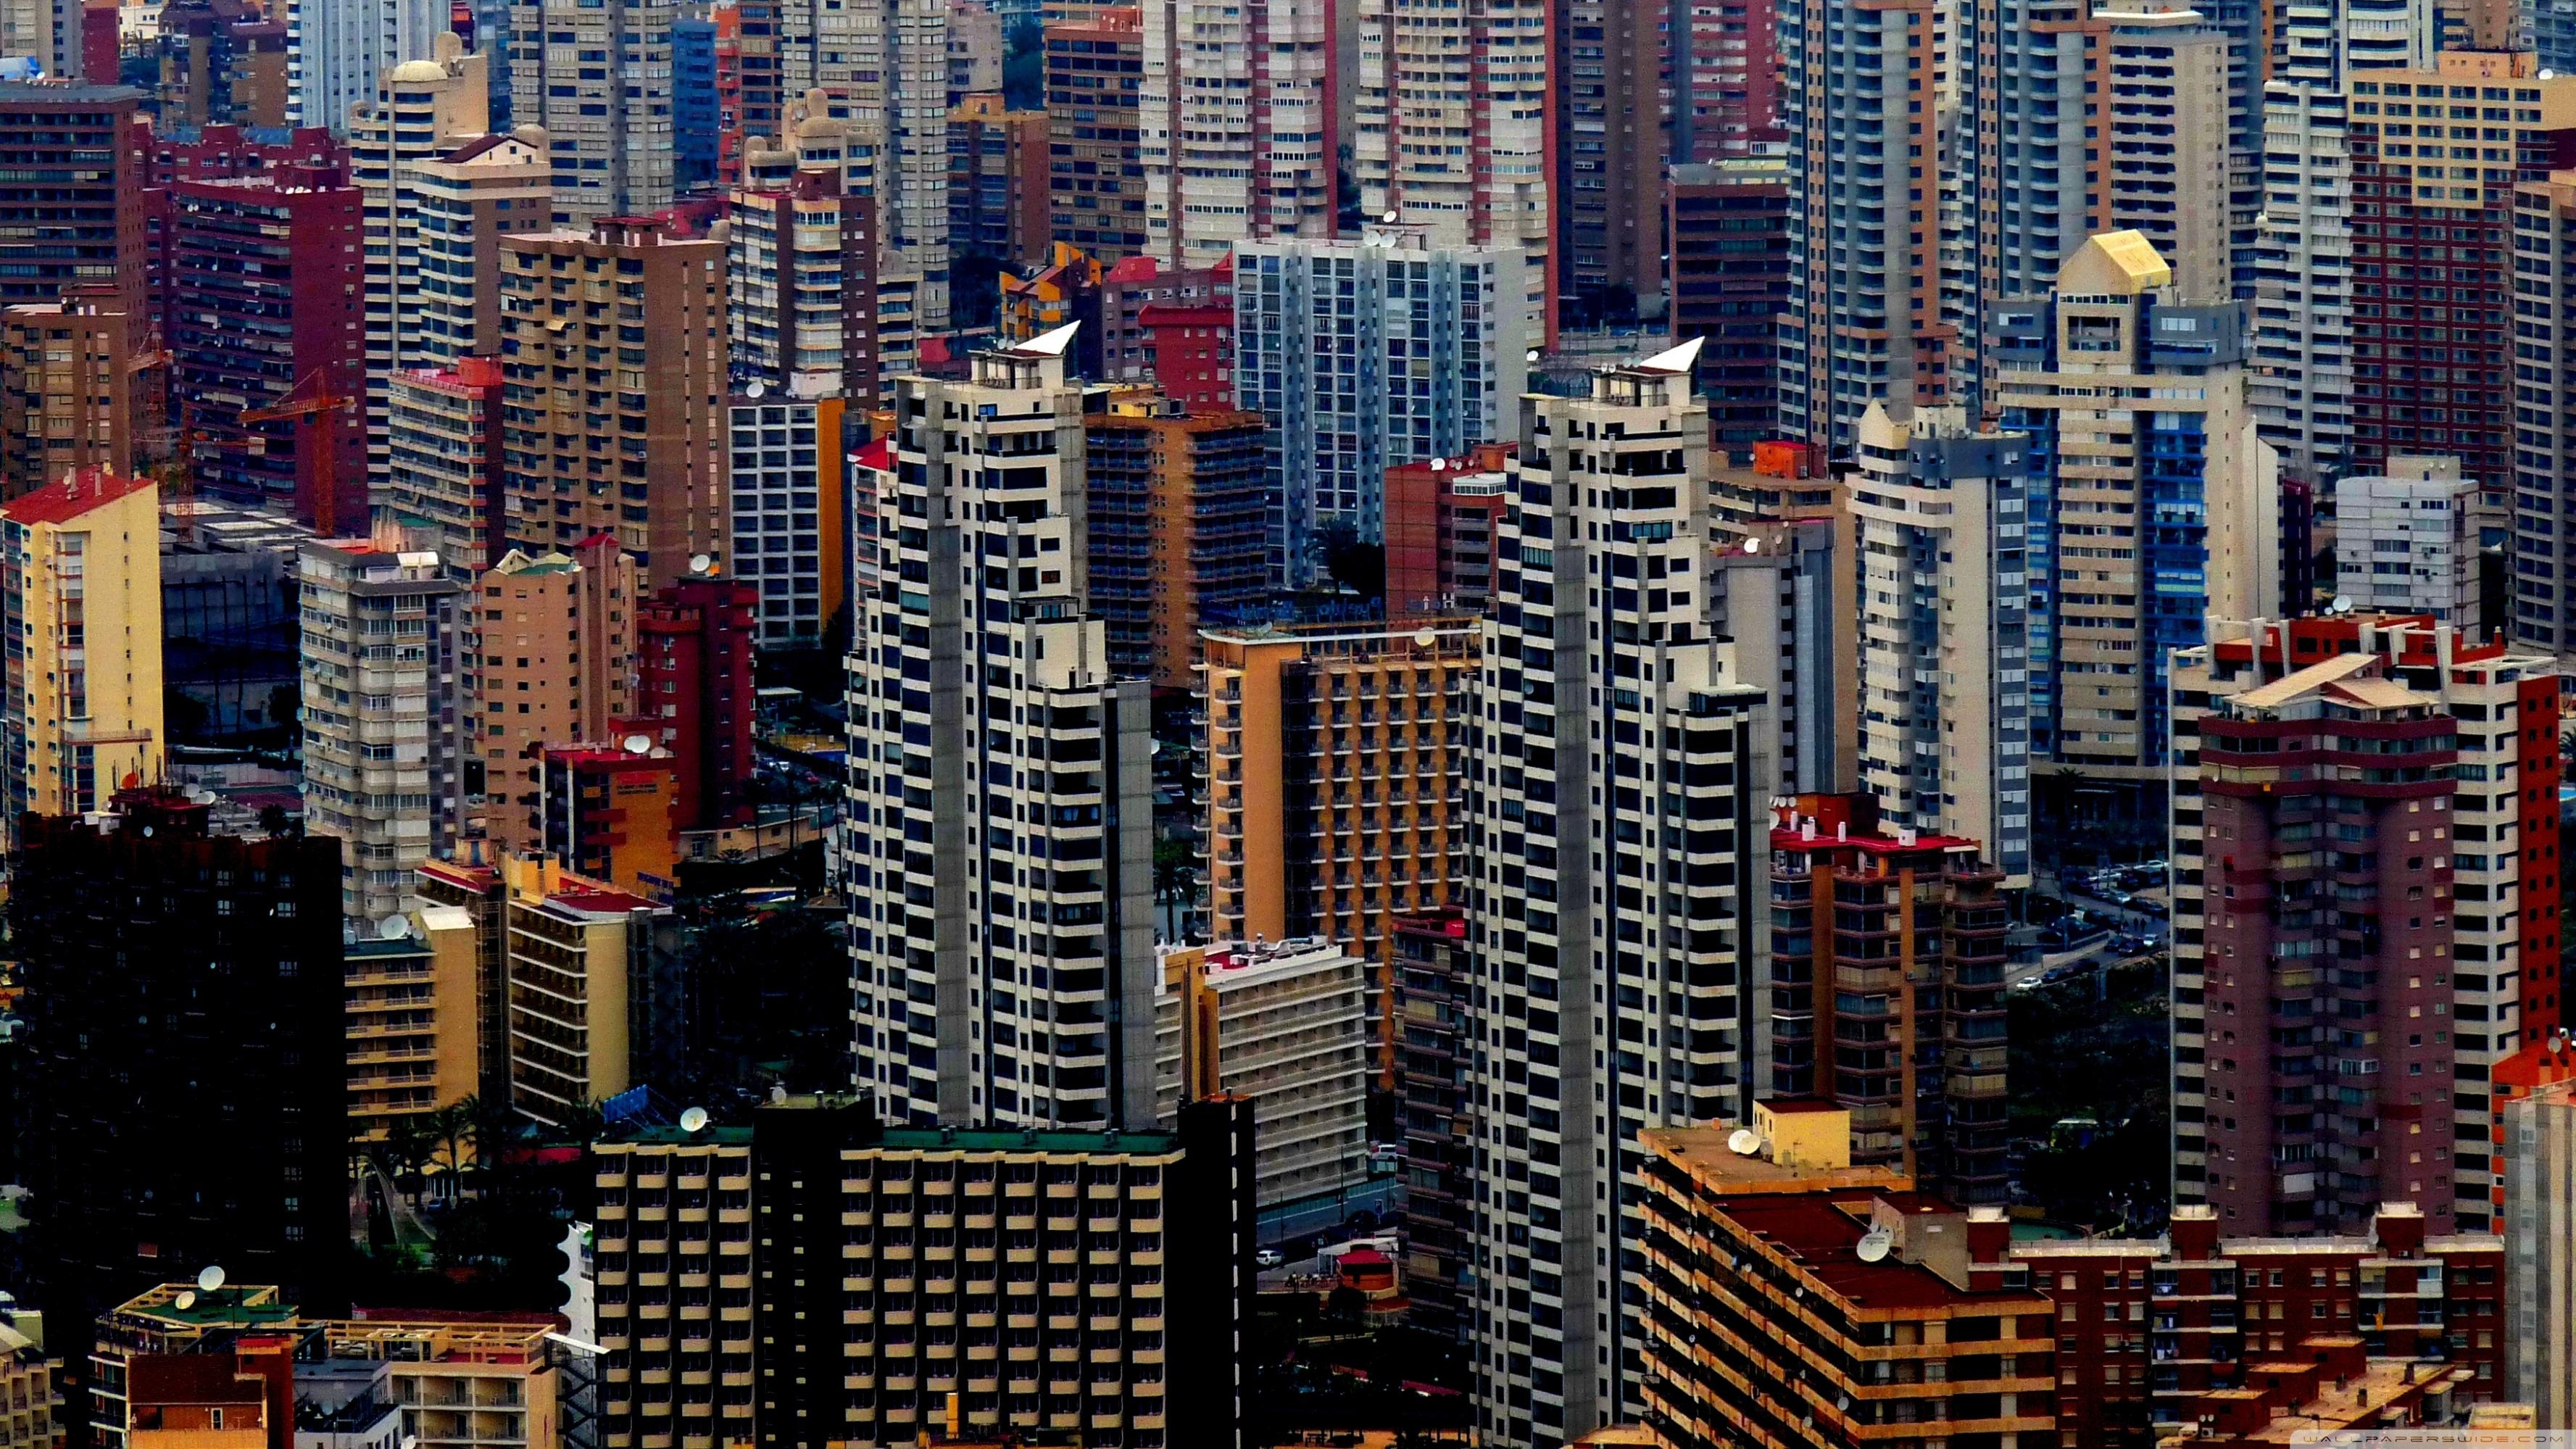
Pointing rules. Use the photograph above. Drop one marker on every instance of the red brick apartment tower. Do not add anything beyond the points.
(696, 637)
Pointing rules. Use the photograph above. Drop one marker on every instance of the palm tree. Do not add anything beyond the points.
(409, 1145)
(453, 1126)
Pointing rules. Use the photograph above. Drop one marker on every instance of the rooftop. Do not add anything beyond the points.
(1719, 1169)
(71, 496)
(1818, 1233)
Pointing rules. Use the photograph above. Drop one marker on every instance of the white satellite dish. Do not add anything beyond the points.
(1389, 218)
(210, 1278)
(756, 391)
(700, 563)
(2342, 605)
(1425, 638)
(694, 1120)
(393, 928)
(1439, 465)
(638, 744)
(1753, 545)
(1744, 1142)
(186, 1300)
(1873, 1246)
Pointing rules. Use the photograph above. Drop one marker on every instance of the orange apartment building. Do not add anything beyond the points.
(550, 659)
(1176, 528)
(1337, 786)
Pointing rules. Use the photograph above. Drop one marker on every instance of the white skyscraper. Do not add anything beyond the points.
(337, 49)
(596, 74)
(1621, 826)
(999, 856)
(1235, 125)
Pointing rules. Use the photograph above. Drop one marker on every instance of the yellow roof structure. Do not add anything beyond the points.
(2135, 255)
(2290, 686)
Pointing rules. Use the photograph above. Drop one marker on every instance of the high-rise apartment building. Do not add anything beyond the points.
(216, 1133)
(1620, 956)
(420, 109)
(801, 265)
(467, 197)
(2539, 1172)
(1451, 132)
(2152, 504)
(443, 480)
(1004, 971)
(2433, 366)
(68, 389)
(76, 182)
(1440, 521)
(1785, 594)
(1424, 364)
(882, 67)
(414, 1021)
(550, 653)
(80, 590)
(1613, 92)
(1864, 321)
(790, 529)
(482, 892)
(381, 743)
(1282, 1025)
(1436, 1115)
(1095, 68)
(655, 480)
(2424, 943)
(337, 54)
(1236, 125)
(278, 256)
(2408, 542)
(997, 177)
(1174, 528)
(693, 642)
(598, 79)
(574, 947)
(1940, 518)
(1336, 798)
(219, 63)
(1726, 260)
(1894, 1009)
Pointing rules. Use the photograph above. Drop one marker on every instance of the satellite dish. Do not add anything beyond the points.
(700, 563)
(1744, 1142)
(1425, 638)
(393, 928)
(1753, 545)
(186, 1300)
(756, 391)
(210, 1279)
(694, 1120)
(2342, 604)
(638, 744)
(1532, 355)
(1873, 1246)
(1439, 465)
(1389, 218)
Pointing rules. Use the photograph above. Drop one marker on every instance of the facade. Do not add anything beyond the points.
(1888, 944)
(218, 62)
(491, 1378)
(1174, 527)
(337, 54)
(2407, 542)
(1095, 69)
(2432, 370)
(801, 267)
(694, 642)
(1762, 1321)
(2544, 454)
(419, 109)
(68, 389)
(1440, 522)
(77, 183)
(1424, 365)
(279, 256)
(414, 1021)
(571, 949)
(2539, 1140)
(1127, 289)
(468, 197)
(2497, 1002)
(997, 176)
(598, 79)
(1868, 139)
(1451, 130)
(80, 585)
(214, 1134)
(1189, 350)
(1283, 1025)
(2143, 519)
(1726, 261)
(993, 986)
(1237, 125)
(1944, 650)
(611, 815)
(575, 615)
(381, 707)
(665, 449)
(2387, 1309)
(1336, 801)
(1786, 596)
(444, 474)
(790, 538)
(482, 892)
(1434, 998)
(1671, 740)
(36, 1417)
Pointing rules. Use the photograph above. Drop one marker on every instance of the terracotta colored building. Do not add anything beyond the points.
(67, 389)
(997, 168)
(1440, 520)
(550, 658)
(608, 815)
(1095, 68)
(1174, 530)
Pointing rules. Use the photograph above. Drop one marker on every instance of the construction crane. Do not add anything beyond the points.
(324, 408)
